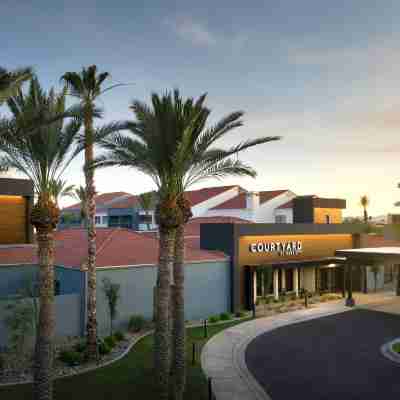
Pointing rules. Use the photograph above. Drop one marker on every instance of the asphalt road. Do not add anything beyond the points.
(335, 357)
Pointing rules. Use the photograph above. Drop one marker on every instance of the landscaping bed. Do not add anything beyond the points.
(132, 376)
(269, 306)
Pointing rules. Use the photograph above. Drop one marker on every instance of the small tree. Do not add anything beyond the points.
(111, 291)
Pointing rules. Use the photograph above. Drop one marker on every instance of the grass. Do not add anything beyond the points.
(130, 378)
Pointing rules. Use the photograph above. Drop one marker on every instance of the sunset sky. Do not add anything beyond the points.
(322, 74)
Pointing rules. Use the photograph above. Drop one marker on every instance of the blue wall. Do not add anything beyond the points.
(207, 292)
(14, 278)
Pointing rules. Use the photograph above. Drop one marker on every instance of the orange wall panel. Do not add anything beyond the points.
(13, 220)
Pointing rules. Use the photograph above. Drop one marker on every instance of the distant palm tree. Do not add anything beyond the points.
(171, 144)
(59, 189)
(364, 202)
(146, 201)
(11, 82)
(87, 86)
(42, 155)
(80, 194)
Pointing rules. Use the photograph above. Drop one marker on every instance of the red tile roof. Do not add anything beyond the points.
(239, 202)
(102, 200)
(200, 195)
(289, 204)
(127, 202)
(115, 247)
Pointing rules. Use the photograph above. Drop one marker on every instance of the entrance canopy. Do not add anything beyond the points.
(378, 254)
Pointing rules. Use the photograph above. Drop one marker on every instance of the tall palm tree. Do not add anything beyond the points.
(11, 82)
(170, 143)
(60, 188)
(364, 202)
(198, 158)
(87, 86)
(146, 201)
(42, 155)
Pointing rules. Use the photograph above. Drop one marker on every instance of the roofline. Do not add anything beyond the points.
(227, 258)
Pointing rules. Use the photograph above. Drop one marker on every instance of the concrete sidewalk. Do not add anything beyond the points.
(223, 357)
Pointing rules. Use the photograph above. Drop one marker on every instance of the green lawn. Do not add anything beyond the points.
(130, 378)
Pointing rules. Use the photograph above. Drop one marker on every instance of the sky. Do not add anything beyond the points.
(322, 74)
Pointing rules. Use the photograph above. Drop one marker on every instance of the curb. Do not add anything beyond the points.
(240, 383)
(388, 352)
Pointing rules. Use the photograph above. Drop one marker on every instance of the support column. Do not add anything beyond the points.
(344, 281)
(283, 277)
(254, 286)
(350, 300)
(276, 284)
(296, 281)
(398, 280)
(365, 278)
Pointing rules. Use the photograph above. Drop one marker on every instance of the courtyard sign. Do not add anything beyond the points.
(292, 248)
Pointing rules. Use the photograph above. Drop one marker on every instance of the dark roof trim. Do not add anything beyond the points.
(296, 229)
(16, 187)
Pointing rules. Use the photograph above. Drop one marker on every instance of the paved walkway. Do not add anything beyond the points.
(223, 357)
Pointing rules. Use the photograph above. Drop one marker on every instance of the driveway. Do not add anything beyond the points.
(333, 357)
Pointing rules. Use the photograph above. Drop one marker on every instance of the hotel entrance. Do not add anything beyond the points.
(269, 260)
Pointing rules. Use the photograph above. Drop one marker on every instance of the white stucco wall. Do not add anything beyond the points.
(287, 212)
(266, 212)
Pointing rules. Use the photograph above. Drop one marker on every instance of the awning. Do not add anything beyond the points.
(371, 254)
(302, 263)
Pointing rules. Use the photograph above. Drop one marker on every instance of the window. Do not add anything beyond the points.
(327, 219)
(97, 220)
(280, 219)
(104, 220)
(57, 288)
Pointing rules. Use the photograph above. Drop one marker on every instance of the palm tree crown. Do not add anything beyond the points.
(11, 81)
(45, 153)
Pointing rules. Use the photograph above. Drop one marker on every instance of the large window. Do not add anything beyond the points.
(97, 220)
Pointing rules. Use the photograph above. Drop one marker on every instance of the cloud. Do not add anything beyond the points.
(192, 31)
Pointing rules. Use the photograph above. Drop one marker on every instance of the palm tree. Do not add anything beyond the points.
(146, 202)
(364, 202)
(172, 145)
(59, 189)
(80, 194)
(87, 87)
(42, 155)
(11, 82)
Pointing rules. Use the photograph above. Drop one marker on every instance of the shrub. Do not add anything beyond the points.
(396, 347)
(225, 316)
(119, 336)
(110, 341)
(71, 358)
(104, 348)
(80, 347)
(213, 319)
(240, 314)
(136, 323)
(283, 297)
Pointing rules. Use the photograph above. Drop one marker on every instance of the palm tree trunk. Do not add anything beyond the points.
(162, 331)
(43, 366)
(178, 331)
(91, 231)
(365, 215)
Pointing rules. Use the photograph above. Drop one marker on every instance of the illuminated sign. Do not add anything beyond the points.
(281, 248)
